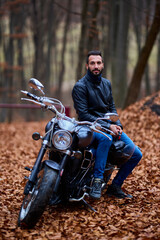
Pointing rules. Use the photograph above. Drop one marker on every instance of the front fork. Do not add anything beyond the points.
(63, 163)
(34, 172)
(62, 166)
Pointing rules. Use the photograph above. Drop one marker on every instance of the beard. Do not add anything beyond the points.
(96, 71)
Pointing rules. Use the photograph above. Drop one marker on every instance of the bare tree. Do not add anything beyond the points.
(82, 51)
(9, 57)
(119, 48)
(137, 21)
(39, 9)
(64, 44)
(147, 68)
(21, 35)
(134, 87)
(93, 31)
(12, 47)
(158, 66)
(89, 38)
(52, 24)
(105, 43)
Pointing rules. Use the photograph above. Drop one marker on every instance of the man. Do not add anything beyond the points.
(92, 96)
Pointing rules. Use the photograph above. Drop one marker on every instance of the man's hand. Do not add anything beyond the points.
(116, 129)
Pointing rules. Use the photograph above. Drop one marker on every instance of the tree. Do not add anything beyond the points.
(105, 43)
(89, 39)
(12, 47)
(93, 31)
(20, 14)
(158, 67)
(64, 44)
(134, 87)
(82, 51)
(119, 28)
(52, 24)
(39, 26)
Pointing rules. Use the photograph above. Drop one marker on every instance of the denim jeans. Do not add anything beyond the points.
(101, 154)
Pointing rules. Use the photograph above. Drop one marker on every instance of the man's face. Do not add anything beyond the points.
(95, 64)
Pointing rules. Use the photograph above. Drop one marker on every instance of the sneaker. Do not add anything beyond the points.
(116, 191)
(96, 188)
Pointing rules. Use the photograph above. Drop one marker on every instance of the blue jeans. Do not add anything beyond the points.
(101, 154)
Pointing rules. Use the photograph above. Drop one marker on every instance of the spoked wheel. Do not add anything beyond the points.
(35, 202)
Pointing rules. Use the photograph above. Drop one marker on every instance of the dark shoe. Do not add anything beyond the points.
(116, 191)
(96, 188)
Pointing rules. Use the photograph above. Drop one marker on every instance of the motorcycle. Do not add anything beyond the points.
(67, 174)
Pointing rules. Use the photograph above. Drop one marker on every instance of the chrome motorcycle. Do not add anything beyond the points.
(67, 174)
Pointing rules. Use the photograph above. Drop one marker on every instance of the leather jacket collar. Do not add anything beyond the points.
(92, 78)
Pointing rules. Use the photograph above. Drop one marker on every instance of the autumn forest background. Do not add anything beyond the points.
(49, 40)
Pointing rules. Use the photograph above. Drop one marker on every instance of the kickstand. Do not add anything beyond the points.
(87, 204)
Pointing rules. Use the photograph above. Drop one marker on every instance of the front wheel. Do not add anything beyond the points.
(35, 202)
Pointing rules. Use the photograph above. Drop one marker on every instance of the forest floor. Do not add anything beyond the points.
(137, 218)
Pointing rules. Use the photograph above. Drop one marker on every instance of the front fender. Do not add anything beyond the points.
(52, 164)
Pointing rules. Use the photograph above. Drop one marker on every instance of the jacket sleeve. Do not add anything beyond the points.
(79, 95)
(112, 107)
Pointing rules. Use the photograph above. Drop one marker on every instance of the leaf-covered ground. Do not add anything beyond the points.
(138, 218)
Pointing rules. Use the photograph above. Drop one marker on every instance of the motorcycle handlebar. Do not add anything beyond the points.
(42, 101)
(96, 127)
(32, 96)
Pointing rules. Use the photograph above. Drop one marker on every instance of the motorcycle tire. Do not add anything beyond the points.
(35, 202)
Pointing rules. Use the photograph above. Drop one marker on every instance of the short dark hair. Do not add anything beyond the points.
(93, 52)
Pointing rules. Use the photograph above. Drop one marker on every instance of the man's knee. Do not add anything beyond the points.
(140, 153)
(105, 140)
(137, 153)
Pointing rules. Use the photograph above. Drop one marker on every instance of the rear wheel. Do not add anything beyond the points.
(35, 202)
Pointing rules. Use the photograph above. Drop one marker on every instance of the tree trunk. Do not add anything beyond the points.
(137, 23)
(20, 26)
(93, 40)
(119, 49)
(134, 88)
(38, 16)
(13, 50)
(9, 59)
(105, 22)
(89, 33)
(147, 68)
(82, 51)
(147, 80)
(51, 40)
(62, 62)
(158, 66)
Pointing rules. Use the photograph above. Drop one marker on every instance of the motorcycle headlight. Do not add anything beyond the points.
(62, 139)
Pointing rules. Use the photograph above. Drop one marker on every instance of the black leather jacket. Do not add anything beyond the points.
(93, 99)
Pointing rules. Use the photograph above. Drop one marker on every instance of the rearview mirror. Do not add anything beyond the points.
(36, 85)
(112, 116)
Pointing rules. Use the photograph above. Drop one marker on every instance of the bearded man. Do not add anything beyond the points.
(92, 96)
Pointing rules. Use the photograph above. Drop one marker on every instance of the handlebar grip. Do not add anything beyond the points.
(108, 131)
(32, 96)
